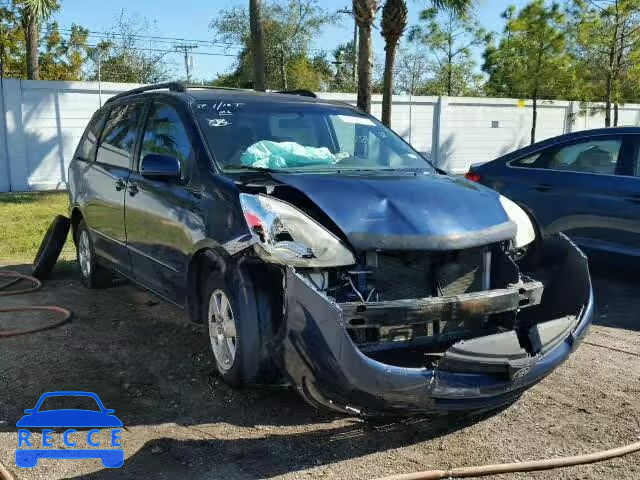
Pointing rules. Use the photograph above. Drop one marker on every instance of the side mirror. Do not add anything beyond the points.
(29, 410)
(160, 167)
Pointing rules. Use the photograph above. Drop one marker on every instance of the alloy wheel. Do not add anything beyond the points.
(84, 254)
(222, 330)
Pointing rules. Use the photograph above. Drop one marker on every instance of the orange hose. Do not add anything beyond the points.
(535, 465)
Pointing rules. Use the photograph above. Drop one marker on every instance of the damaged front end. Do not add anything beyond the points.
(418, 319)
(415, 332)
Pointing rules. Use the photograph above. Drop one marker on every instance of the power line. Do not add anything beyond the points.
(171, 50)
(157, 38)
(172, 40)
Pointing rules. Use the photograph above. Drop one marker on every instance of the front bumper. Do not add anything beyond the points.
(485, 372)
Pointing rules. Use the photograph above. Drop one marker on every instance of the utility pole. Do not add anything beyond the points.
(185, 49)
(100, 76)
(355, 42)
(283, 68)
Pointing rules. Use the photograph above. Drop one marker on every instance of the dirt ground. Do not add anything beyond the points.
(146, 361)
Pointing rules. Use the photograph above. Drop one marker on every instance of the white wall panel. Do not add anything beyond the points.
(41, 123)
(480, 130)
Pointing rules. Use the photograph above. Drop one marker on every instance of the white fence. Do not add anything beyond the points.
(41, 123)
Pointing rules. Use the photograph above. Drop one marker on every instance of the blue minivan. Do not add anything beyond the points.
(320, 250)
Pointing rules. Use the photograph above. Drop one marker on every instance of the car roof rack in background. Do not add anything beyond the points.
(302, 93)
(171, 86)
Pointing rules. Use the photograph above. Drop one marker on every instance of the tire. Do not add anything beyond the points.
(50, 248)
(231, 329)
(92, 275)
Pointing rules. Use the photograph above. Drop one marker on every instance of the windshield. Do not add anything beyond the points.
(286, 136)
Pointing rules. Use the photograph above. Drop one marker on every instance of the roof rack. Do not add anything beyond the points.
(302, 93)
(182, 88)
(214, 87)
(171, 86)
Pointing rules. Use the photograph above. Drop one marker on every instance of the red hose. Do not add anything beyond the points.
(535, 465)
(15, 278)
(37, 284)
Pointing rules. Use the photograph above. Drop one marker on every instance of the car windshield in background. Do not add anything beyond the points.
(287, 136)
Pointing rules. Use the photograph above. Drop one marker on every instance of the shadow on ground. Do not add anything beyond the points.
(271, 455)
(616, 284)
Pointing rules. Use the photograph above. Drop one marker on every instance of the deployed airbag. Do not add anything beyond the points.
(268, 154)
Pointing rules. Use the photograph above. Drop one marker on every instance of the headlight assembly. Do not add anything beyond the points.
(526, 233)
(286, 235)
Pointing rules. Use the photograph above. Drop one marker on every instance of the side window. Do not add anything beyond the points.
(593, 156)
(530, 162)
(345, 135)
(165, 134)
(364, 141)
(89, 144)
(293, 127)
(119, 137)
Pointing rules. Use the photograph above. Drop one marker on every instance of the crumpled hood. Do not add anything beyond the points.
(406, 212)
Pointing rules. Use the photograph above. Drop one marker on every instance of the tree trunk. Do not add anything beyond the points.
(365, 67)
(610, 76)
(257, 46)
(450, 67)
(387, 89)
(608, 100)
(615, 114)
(33, 40)
(2, 53)
(283, 68)
(534, 120)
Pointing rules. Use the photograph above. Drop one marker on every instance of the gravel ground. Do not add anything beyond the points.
(145, 360)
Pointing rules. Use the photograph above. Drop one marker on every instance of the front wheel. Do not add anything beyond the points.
(232, 328)
(92, 275)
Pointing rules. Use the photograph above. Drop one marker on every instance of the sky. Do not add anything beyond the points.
(189, 19)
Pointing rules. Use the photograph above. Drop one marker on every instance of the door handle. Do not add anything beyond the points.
(543, 188)
(120, 184)
(133, 189)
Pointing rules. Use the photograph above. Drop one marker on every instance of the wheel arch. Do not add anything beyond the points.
(207, 258)
(76, 218)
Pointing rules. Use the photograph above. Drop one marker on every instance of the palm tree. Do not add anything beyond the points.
(365, 13)
(257, 45)
(460, 7)
(33, 13)
(394, 23)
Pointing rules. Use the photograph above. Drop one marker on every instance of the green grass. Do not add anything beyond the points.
(24, 219)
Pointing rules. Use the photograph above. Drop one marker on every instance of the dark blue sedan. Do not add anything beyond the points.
(585, 184)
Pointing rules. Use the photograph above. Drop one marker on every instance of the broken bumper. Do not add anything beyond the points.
(331, 372)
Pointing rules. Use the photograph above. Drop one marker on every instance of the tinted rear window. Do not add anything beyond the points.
(119, 137)
(89, 143)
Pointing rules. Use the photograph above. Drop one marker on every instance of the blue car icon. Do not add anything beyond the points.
(76, 418)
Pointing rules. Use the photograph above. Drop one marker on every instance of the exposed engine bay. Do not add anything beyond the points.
(395, 303)
(426, 301)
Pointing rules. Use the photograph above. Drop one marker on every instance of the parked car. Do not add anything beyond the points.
(585, 184)
(317, 247)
